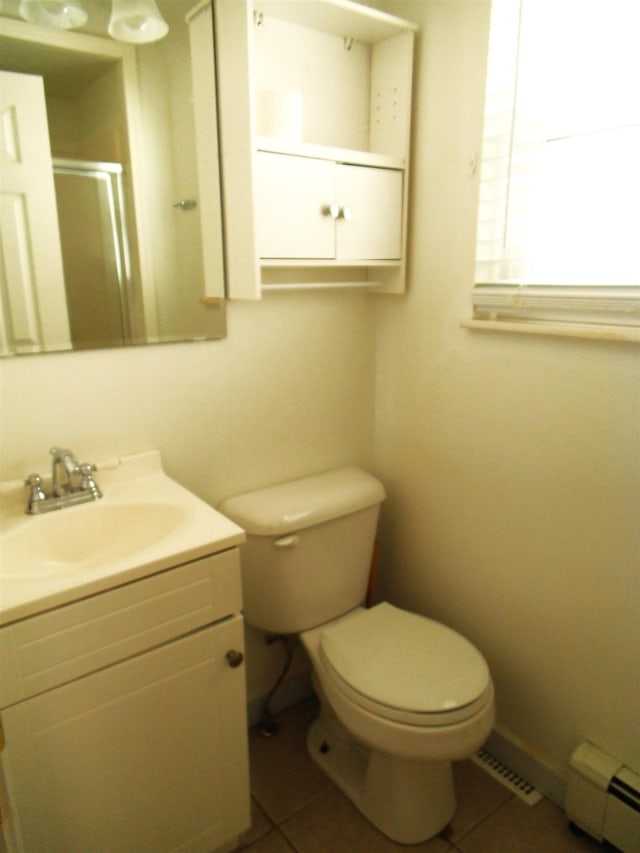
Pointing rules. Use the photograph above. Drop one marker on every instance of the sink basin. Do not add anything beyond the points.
(67, 541)
(145, 523)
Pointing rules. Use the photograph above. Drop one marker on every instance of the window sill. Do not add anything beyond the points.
(564, 330)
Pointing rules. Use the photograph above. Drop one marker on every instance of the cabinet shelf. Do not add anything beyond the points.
(338, 17)
(320, 285)
(329, 152)
(297, 263)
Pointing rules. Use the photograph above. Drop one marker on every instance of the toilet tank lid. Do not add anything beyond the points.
(287, 507)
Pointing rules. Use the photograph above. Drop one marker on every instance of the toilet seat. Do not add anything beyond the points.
(405, 667)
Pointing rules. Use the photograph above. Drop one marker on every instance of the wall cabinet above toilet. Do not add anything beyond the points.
(316, 106)
(314, 209)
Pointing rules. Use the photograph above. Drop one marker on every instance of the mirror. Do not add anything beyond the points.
(110, 181)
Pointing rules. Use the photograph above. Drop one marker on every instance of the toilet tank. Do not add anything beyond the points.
(309, 546)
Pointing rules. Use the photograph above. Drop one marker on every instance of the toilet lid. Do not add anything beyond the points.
(405, 666)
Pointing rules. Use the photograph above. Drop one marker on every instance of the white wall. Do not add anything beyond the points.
(287, 393)
(511, 462)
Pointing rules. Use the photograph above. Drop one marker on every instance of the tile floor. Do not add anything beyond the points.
(297, 808)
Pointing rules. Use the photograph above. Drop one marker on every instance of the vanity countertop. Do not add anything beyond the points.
(144, 523)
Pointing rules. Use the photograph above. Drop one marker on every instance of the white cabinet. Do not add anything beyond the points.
(309, 208)
(124, 718)
(369, 226)
(292, 197)
(315, 101)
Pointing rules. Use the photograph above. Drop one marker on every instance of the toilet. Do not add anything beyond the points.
(401, 696)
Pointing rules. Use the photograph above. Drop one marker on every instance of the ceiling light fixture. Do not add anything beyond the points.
(61, 14)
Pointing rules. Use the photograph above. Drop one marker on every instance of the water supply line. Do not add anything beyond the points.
(267, 726)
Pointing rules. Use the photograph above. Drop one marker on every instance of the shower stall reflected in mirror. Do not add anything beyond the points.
(95, 251)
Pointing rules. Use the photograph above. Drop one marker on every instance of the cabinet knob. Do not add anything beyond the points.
(331, 210)
(234, 658)
(345, 213)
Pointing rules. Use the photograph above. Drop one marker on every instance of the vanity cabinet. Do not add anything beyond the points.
(124, 718)
(315, 99)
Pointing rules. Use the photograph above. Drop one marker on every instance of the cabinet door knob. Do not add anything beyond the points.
(345, 213)
(331, 210)
(234, 658)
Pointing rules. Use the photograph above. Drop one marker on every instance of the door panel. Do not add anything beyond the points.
(33, 294)
(292, 194)
(147, 756)
(374, 198)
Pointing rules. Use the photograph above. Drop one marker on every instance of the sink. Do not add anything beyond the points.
(144, 523)
(68, 541)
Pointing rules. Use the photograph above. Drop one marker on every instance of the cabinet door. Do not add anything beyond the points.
(372, 228)
(146, 756)
(292, 198)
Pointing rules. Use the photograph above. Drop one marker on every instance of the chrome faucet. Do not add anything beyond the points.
(71, 484)
(64, 467)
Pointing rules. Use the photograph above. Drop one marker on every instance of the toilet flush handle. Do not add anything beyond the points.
(287, 542)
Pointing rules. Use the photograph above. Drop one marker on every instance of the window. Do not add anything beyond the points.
(559, 211)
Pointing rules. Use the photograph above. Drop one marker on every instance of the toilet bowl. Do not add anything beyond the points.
(403, 683)
(402, 780)
(402, 696)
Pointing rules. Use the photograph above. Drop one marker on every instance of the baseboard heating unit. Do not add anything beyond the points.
(603, 798)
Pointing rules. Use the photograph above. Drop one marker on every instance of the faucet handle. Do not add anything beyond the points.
(34, 481)
(87, 483)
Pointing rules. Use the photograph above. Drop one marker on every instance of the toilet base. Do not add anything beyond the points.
(408, 801)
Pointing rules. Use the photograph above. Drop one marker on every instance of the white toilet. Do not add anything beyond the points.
(402, 696)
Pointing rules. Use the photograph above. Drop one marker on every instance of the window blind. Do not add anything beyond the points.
(558, 232)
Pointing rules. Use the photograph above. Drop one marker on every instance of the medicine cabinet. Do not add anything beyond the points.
(316, 97)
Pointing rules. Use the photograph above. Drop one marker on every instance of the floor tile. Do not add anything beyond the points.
(274, 842)
(283, 776)
(519, 828)
(313, 816)
(332, 824)
(260, 825)
(478, 795)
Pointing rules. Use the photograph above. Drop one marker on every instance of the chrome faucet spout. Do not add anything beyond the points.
(64, 466)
